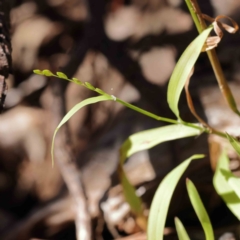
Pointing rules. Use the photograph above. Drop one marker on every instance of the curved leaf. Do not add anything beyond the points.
(181, 231)
(146, 140)
(150, 138)
(183, 69)
(76, 108)
(200, 210)
(133, 200)
(224, 190)
(162, 198)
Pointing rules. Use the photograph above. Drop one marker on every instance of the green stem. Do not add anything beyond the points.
(193, 9)
(144, 112)
(152, 115)
(158, 118)
(222, 82)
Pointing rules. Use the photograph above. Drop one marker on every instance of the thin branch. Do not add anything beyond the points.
(67, 165)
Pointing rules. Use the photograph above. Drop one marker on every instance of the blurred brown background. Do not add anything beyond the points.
(127, 48)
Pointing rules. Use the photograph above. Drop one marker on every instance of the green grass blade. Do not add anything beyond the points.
(182, 70)
(200, 210)
(133, 200)
(224, 190)
(129, 193)
(145, 140)
(150, 138)
(235, 144)
(162, 198)
(76, 108)
(181, 231)
(84, 103)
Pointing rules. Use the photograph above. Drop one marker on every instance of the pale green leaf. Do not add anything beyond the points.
(62, 75)
(145, 140)
(130, 193)
(47, 73)
(222, 187)
(181, 231)
(235, 144)
(183, 69)
(162, 198)
(76, 108)
(37, 71)
(150, 138)
(200, 210)
(234, 182)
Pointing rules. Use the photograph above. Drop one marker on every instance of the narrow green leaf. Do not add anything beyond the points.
(200, 210)
(76, 108)
(130, 193)
(182, 70)
(47, 73)
(150, 138)
(222, 186)
(235, 144)
(37, 71)
(145, 140)
(162, 198)
(232, 180)
(62, 75)
(181, 231)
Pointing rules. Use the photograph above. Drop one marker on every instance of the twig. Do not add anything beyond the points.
(67, 165)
